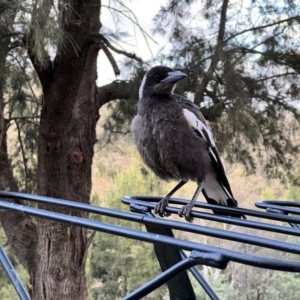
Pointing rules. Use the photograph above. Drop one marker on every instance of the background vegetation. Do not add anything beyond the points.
(243, 64)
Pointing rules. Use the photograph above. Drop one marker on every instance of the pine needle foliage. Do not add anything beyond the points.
(242, 63)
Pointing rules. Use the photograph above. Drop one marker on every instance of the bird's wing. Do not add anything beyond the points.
(190, 106)
(216, 186)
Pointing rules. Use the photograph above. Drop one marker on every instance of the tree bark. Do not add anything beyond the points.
(200, 90)
(54, 254)
(65, 152)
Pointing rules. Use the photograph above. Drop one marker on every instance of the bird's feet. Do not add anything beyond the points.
(185, 212)
(160, 207)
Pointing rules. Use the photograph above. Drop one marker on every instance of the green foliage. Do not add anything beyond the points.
(264, 285)
(22, 111)
(268, 194)
(7, 291)
(120, 265)
(293, 192)
(295, 176)
(19, 100)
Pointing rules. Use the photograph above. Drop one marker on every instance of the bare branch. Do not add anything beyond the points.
(262, 27)
(112, 91)
(130, 55)
(199, 94)
(27, 119)
(276, 76)
(110, 58)
(106, 45)
(278, 58)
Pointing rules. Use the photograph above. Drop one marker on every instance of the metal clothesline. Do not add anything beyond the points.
(169, 249)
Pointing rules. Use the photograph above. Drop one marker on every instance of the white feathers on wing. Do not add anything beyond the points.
(142, 87)
(199, 125)
(212, 185)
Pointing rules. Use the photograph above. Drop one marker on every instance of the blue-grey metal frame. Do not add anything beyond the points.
(160, 234)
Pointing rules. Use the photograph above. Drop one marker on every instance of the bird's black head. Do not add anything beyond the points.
(160, 80)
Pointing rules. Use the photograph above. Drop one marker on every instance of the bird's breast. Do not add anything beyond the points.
(167, 144)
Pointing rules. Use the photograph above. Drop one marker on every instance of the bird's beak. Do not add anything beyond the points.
(173, 77)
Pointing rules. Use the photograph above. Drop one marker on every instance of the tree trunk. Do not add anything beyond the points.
(65, 152)
(54, 254)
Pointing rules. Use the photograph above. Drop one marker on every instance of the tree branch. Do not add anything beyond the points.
(112, 91)
(199, 94)
(286, 59)
(43, 72)
(130, 55)
(110, 58)
(105, 45)
(20, 230)
(8, 35)
(262, 27)
(23, 154)
(276, 76)
(15, 44)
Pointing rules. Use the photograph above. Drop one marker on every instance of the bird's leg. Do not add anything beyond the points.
(160, 207)
(186, 209)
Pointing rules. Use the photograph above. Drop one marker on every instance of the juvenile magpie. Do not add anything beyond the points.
(173, 140)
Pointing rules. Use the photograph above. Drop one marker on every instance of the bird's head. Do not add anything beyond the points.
(160, 80)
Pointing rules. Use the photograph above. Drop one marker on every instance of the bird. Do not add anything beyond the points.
(174, 141)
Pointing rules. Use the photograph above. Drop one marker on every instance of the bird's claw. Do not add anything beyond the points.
(160, 208)
(185, 212)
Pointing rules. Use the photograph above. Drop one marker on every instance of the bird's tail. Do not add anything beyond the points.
(217, 194)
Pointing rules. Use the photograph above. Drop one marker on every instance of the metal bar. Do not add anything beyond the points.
(230, 235)
(162, 278)
(275, 209)
(10, 271)
(223, 209)
(159, 280)
(138, 218)
(248, 259)
(156, 229)
(234, 236)
(223, 219)
(198, 276)
(71, 204)
(179, 286)
(279, 206)
(265, 203)
(147, 199)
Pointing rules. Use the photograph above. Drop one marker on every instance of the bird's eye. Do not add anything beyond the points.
(158, 76)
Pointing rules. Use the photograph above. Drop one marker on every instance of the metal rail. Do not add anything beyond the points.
(174, 263)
